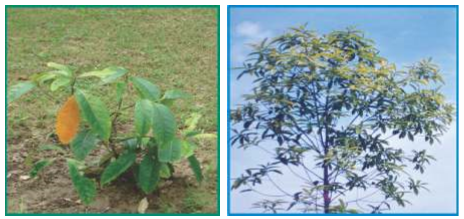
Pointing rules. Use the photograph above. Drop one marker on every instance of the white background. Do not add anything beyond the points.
(223, 76)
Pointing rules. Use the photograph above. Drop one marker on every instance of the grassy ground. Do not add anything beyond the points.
(174, 48)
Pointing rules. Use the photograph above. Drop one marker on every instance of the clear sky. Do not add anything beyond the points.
(403, 36)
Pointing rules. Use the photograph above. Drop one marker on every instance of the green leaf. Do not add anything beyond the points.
(175, 94)
(165, 172)
(60, 82)
(40, 165)
(83, 144)
(410, 136)
(164, 123)
(131, 144)
(192, 122)
(205, 136)
(143, 116)
(60, 73)
(199, 135)
(41, 78)
(190, 134)
(117, 167)
(171, 151)
(19, 89)
(195, 165)
(51, 147)
(120, 90)
(148, 174)
(95, 112)
(63, 69)
(188, 149)
(171, 95)
(85, 187)
(146, 89)
(106, 75)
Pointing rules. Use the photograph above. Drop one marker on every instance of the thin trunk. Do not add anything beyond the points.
(325, 167)
(326, 190)
(326, 180)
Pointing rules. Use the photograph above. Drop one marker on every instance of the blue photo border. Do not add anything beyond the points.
(229, 7)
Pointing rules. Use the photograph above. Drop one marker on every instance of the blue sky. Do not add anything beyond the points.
(403, 36)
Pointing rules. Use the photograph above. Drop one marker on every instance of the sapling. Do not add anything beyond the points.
(84, 123)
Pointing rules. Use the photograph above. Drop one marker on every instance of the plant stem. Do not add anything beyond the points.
(111, 148)
(123, 108)
(114, 123)
(73, 83)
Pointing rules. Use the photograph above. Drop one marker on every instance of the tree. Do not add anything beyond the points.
(333, 97)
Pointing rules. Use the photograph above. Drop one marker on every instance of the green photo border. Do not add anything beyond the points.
(217, 7)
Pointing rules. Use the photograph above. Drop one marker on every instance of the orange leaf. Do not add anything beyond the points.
(67, 121)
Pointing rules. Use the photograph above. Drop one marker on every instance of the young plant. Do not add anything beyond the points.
(84, 122)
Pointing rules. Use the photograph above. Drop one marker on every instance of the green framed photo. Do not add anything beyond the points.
(112, 110)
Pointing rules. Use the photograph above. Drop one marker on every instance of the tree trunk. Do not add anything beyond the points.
(326, 190)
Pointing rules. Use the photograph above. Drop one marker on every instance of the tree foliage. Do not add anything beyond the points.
(331, 103)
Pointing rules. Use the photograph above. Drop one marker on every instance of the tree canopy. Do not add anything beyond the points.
(331, 103)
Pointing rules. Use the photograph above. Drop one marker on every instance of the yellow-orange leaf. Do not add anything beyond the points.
(67, 121)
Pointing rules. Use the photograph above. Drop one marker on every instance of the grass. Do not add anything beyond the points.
(176, 48)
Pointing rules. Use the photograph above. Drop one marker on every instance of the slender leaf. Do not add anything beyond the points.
(106, 75)
(65, 70)
(171, 95)
(143, 116)
(175, 94)
(85, 187)
(164, 124)
(171, 151)
(117, 167)
(59, 83)
(148, 174)
(146, 89)
(188, 149)
(192, 122)
(195, 165)
(51, 147)
(60, 73)
(41, 78)
(19, 89)
(190, 134)
(39, 166)
(83, 144)
(205, 136)
(95, 112)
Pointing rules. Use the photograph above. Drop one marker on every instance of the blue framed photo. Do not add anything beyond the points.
(343, 110)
